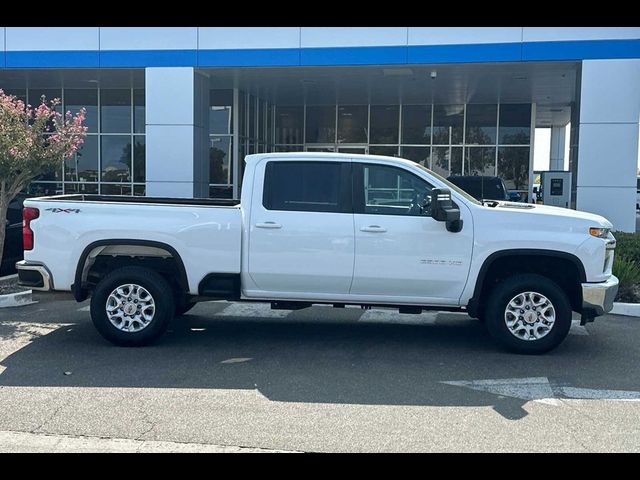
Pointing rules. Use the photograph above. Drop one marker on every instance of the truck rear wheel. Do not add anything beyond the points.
(528, 314)
(132, 306)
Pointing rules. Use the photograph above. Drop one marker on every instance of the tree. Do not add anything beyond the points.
(32, 139)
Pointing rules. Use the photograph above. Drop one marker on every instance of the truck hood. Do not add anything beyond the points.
(547, 210)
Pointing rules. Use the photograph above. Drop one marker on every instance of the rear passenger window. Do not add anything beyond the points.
(305, 186)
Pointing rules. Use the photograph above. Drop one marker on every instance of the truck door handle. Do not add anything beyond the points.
(373, 229)
(268, 225)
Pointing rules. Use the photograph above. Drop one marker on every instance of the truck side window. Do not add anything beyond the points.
(394, 191)
(306, 186)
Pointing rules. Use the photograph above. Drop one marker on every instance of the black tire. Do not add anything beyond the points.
(509, 288)
(160, 291)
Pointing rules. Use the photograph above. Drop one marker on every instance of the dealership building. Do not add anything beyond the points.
(172, 111)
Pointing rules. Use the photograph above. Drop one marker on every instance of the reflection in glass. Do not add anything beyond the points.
(321, 124)
(220, 192)
(139, 190)
(456, 161)
(86, 188)
(35, 94)
(384, 123)
(440, 161)
(139, 159)
(115, 155)
(482, 123)
(115, 110)
(289, 121)
(353, 124)
(480, 161)
(83, 165)
(219, 160)
(513, 167)
(417, 154)
(75, 99)
(389, 151)
(515, 124)
(416, 124)
(118, 189)
(447, 124)
(138, 111)
(252, 116)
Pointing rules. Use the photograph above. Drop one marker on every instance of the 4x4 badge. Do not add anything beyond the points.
(63, 210)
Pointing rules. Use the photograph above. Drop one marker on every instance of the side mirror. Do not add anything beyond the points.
(443, 209)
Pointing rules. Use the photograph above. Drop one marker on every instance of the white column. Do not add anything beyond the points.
(556, 154)
(608, 140)
(176, 132)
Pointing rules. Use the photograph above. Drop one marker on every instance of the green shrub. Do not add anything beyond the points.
(628, 246)
(628, 273)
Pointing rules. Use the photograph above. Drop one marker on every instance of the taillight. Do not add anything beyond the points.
(28, 214)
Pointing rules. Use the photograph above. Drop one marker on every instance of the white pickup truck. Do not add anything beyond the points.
(324, 228)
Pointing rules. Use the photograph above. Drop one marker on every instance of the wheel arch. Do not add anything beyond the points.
(494, 260)
(79, 287)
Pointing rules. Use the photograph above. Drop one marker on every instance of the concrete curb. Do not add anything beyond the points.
(16, 299)
(628, 309)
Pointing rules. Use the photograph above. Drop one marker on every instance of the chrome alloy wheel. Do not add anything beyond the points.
(130, 308)
(530, 316)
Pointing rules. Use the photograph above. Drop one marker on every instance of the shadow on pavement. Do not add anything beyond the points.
(350, 363)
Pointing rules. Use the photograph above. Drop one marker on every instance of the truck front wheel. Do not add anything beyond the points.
(528, 314)
(132, 306)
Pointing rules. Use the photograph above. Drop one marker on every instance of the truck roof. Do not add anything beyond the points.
(326, 155)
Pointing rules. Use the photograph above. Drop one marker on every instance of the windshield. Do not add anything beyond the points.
(450, 185)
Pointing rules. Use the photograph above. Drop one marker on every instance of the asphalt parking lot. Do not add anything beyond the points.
(241, 376)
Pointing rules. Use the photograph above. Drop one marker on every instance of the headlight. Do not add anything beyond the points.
(599, 232)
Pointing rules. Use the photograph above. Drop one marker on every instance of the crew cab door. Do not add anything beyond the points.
(401, 252)
(301, 236)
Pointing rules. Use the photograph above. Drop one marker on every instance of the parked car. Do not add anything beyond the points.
(12, 252)
(321, 228)
(482, 187)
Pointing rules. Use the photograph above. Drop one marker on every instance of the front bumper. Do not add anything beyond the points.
(34, 275)
(597, 298)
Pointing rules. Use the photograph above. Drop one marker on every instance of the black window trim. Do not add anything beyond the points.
(344, 191)
(358, 188)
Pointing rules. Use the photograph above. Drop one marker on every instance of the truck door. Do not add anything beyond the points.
(301, 235)
(401, 252)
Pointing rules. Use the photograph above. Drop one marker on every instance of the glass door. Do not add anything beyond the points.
(359, 150)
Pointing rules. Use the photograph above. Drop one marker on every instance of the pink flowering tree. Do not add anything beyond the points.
(32, 140)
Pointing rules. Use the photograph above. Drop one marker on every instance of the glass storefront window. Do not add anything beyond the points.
(83, 165)
(448, 123)
(482, 121)
(75, 99)
(252, 116)
(387, 150)
(115, 111)
(513, 167)
(480, 161)
(289, 122)
(353, 124)
(321, 124)
(416, 124)
(139, 190)
(440, 161)
(220, 192)
(220, 115)
(115, 153)
(456, 161)
(384, 123)
(35, 94)
(220, 166)
(139, 158)
(86, 188)
(515, 124)
(115, 189)
(417, 154)
(138, 111)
